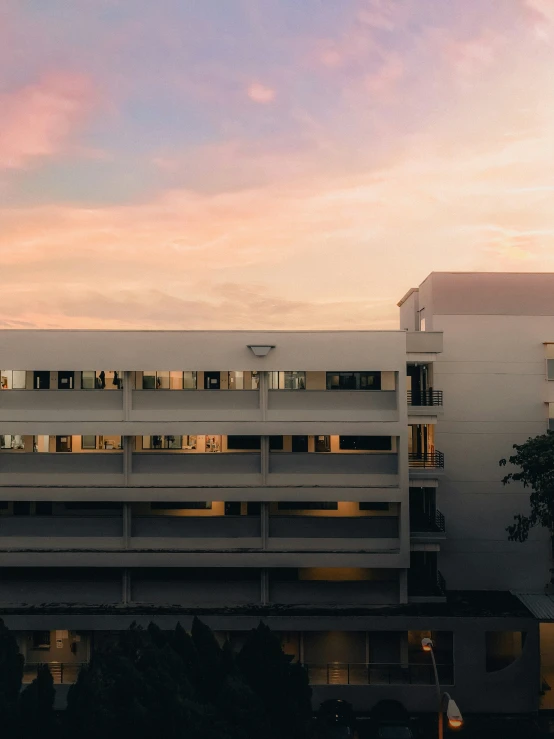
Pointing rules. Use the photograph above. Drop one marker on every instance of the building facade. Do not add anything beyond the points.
(320, 481)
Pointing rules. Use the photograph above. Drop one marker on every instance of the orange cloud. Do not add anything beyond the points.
(37, 120)
(260, 93)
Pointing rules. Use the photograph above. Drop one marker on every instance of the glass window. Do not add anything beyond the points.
(88, 380)
(307, 506)
(41, 443)
(93, 506)
(88, 442)
(175, 380)
(255, 380)
(276, 443)
(189, 380)
(202, 505)
(290, 380)
(374, 506)
(162, 442)
(550, 368)
(43, 508)
(353, 380)
(243, 442)
(551, 424)
(365, 443)
(101, 380)
(12, 379)
(9, 441)
(41, 640)
(149, 380)
(162, 380)
(236, 380)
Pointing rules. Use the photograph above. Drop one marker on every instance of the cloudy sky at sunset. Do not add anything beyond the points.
(267, 163)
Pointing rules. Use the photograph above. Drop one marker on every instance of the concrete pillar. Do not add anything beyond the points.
(126, 587)
(127, 525)
(128, 442)
(264, 587)
(403, 586)
(264, 396)
(127, 395)
(264, 458)
(264, 524)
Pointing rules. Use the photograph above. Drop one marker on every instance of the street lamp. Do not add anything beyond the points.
(455, 720)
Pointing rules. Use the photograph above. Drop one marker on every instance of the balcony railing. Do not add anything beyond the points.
(63, 673)
(426, 460)
(339, 673)
(424, 523)
(426, 585)
(425, 397)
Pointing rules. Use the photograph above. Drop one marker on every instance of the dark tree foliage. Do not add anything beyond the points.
(37, 716)
(153, 683)
(281, 685)
(535, 460)
(11, 676)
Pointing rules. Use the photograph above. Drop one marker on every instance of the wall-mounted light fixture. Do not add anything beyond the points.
(260, 350)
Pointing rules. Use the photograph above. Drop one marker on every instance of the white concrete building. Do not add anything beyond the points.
(298, 477)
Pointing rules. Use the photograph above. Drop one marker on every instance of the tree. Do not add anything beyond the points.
(11, 677)
(535, 459)
(37, 716)
(281, 685)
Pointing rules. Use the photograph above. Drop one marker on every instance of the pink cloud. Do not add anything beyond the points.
(38, 120)
(470, 57)
(384, 80)
(261, 93)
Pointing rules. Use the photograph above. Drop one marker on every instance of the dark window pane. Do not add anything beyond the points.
(307, 506)
(194, 505)
(243, 442)
(92, 506)
(21, 508)
(275, 443)
(374, 506)
(365, 443)
(353, 380)
(43, 508)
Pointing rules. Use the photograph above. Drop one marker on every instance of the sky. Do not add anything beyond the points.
(274, 164)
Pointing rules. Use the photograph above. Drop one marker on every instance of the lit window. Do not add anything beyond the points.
(292, 380)
(12, 379)
(162, 442)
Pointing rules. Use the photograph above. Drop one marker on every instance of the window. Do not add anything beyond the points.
(101, 443)
(41, 640)
(43, 508)
(287, 380)
(88, 442)
(162, 442)
(365, 443)
(189, 505)
(22, 508)
(551, 424)
(104, 505)
(374, 506)
(307, 506)
(353, 380)
(243, 442)
(550, 368)
(101, 380)
(9, 441)
(189, 380)
(236, 380)
(12, 379)
(276, 443)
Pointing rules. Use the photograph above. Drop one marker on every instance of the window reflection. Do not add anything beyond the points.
(290, 380)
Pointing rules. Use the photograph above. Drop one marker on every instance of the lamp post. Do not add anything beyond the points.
(445, 701)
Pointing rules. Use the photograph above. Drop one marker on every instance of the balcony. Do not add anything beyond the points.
(371, 533)
(341, 673)
(321, 592)
(330, 405)
(68, 405)
(423, 586)
(195, 405)
(189, 532)
(423, 464)
(185, 469)
(424, 342)
(61, 532)
(424, 398)
(311, 468)
(425, 526)
(55, 468)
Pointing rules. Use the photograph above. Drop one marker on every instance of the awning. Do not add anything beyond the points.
(540, 604)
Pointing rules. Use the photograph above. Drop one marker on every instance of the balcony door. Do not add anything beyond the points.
(212, 380)
(323, 443)
(65, 380)
(299, 443)
(63, 443)
(41, 380)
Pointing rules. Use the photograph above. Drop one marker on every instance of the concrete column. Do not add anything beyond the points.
(127, 395)
(403, 586)
(126, 587)
(264, 524)
(264, 397)
(127, 458)
(264, 458)
(264, 587)
(127, 524)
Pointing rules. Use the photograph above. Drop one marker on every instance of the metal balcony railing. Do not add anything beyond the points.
(426, 460)
(425, 397)
(423, 522)
(343, 673)
(63, 673)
